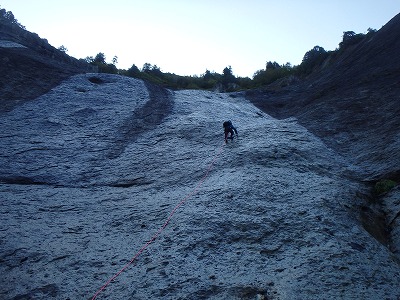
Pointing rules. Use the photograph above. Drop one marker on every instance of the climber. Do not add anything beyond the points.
(228, 128)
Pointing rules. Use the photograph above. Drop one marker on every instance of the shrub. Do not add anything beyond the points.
(383, 186)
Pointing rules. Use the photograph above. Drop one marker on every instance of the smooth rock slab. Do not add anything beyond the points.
(273, 219)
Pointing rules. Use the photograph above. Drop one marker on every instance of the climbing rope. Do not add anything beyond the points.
(188, 196)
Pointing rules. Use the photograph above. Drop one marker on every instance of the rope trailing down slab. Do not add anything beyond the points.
(188, 196)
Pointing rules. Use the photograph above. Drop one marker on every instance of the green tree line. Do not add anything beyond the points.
(226, 81)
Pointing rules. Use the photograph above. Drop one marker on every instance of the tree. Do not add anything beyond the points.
(8, 16)
(89, 59)
(228, 76)
(227, 71)
(313, 54)
(208, 80)
(228, 79)
(100, 61)
(100, 58)
(133, 71)
(115, 60)
(156, 71)
(146, 68)
(272, 65)
(207, 75)
(62, 48)
(350, 38)
(288, 65)
(311, 59)
(273, 71)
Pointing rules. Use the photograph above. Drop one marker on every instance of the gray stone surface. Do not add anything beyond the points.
(91, 171)
(10, 44)
(391, 206)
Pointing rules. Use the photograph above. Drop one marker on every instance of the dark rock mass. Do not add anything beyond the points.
(352, 104)
(30, 66)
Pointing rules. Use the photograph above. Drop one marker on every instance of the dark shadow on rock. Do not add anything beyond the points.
(126, 183)
(352, 104)
(27, 75)
(32, 69)
(22, 180)
(48, 291)
(96, 80)
(144, 119)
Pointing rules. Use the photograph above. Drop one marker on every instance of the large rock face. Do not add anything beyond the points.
(353, 103)
(92, 170)
(30, 66)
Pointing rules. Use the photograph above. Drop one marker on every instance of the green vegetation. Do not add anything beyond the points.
(383, 186)
(8, 18)
(272, 72)
(313, 60)
(100, 62)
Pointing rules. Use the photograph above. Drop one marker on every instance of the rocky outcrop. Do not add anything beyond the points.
(30, 66)
(391, 204)
(352, 104)
(90, 171)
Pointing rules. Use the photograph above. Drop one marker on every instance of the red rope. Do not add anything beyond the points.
(193, 192)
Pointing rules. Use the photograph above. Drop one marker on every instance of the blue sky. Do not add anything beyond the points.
(187, 37)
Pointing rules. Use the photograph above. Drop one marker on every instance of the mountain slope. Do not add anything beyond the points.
(274, 217)
(352, 103)
(30, 66)
(92, 169)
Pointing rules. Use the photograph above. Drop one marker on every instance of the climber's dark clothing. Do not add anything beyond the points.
(229, 128)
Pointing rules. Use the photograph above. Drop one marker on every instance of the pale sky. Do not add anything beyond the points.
(188, 37)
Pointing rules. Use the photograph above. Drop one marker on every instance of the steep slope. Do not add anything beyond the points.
(82, 192)
(352, 104)
(30, 66)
